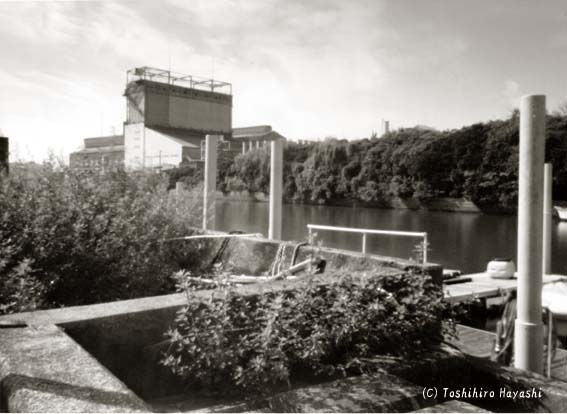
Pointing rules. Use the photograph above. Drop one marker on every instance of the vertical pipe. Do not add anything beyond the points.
(363, 243)
(425, 245)
(528, 333)
(243, 148)
(276, 179)
(210, 187)
(250, 143)
(549, 342)
(547, 217)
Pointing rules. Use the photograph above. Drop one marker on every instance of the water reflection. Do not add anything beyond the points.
(465, 241)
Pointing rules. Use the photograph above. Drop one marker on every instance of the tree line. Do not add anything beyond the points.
(477, 162)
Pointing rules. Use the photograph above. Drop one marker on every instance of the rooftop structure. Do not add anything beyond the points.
(255, 133)
(169, 113)
(177, 79)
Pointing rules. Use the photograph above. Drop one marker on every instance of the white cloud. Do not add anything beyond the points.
(316, 68)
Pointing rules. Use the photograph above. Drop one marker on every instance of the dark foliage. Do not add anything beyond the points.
(70, 238)
(324, 327)
(477, 162)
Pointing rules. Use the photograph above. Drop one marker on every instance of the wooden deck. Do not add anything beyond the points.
(479, 343)
(483, 286)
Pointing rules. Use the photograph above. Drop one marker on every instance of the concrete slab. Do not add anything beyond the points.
(453, 406)
(43, 370)
(62, 316)
(377, 392)
(483, 286)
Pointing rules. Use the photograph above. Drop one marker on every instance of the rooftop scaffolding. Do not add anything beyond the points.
(178, 79)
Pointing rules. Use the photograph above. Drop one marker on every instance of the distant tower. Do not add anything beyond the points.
(4, 153)
(385, 127)
(168, 115)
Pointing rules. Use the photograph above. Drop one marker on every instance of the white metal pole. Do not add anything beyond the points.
(547, 217)
(528, 335)
(210, 188)
(425, 243)
(549, 342)
(276, 184)
(363, 243)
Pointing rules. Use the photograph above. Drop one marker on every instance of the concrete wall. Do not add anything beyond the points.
(127, 337)
(96, 142)
(134, 136)
(202, 115)
(255, 256)
(163, 105)
(135, 103)
(43, 370)
(145, 147)
(442, 204)
(161, 151)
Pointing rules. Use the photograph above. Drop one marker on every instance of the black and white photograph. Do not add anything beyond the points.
(283, 206)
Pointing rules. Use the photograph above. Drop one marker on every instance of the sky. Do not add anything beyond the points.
(309, 68)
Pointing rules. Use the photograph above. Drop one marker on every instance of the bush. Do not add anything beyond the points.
(70, 238)
(229, 342)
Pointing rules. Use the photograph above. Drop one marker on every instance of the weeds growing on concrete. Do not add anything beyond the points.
(324, 327)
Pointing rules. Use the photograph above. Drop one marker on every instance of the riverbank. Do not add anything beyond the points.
(459, 205)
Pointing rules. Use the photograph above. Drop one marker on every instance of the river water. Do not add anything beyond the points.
(464, 241)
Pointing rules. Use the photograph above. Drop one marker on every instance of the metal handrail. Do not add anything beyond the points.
(364, 232)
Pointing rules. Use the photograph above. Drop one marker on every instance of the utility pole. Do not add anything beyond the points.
(528, 332)
(276, 185)
(210, 187)
(547, 217)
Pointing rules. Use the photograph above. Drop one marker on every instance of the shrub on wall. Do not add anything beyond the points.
(231, 342)
(70, 238)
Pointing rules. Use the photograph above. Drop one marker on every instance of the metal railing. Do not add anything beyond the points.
(365, 232)
(180, 79)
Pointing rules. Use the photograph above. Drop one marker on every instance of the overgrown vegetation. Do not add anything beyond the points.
(477, 162)
(227, 342)
(69, 238)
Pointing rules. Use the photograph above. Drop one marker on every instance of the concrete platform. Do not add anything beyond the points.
(478, 343)
(453, 406)
(378, 392)
(483, 286)
(43, 370)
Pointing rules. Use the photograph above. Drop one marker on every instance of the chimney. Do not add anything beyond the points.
(385, 127)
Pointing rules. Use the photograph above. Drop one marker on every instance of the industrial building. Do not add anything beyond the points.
(168, 116)
(99, 154)
(252, 137)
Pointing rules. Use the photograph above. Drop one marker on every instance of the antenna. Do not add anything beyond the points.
(169, 53)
